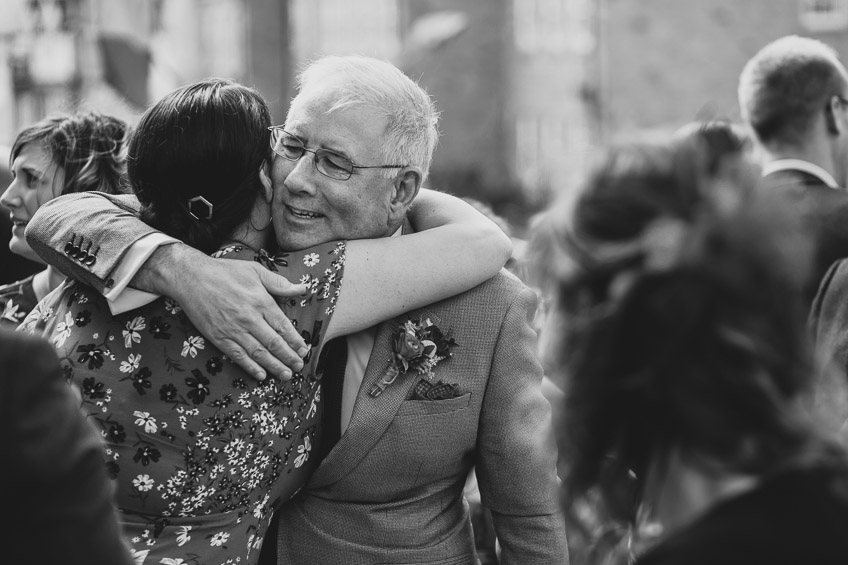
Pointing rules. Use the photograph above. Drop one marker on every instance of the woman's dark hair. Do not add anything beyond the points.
(720, 141)
(206, 139)
(90, 147)
(684, 322)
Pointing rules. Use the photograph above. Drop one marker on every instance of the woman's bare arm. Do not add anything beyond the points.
(455, 249)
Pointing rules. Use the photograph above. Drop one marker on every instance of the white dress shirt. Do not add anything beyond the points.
(801, 165)
(359, 346)
(122, 298)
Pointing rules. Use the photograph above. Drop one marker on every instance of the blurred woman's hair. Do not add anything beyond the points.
(206, 139)
(721, 142)
(89, 146)
(682, 321)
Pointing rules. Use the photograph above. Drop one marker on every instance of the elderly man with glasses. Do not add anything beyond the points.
(348, 165)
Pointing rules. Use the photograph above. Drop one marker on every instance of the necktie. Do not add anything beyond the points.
(333, 362)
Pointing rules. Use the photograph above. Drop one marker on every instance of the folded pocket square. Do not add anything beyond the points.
(426, 390)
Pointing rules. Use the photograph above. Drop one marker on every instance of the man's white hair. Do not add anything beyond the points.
(354, 80)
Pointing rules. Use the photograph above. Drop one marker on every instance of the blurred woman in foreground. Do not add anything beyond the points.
(681, 335)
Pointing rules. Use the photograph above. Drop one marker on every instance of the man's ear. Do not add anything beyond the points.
(406, 186)
(265, 179)
(831, 122)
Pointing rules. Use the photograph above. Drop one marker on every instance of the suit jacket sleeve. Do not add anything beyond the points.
(56, 490)
(85, 235)
(516, 467)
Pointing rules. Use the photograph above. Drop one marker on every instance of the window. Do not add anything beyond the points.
(325, 27)
(823, 15)
(540, 143)
(223, 29)
(551, 26)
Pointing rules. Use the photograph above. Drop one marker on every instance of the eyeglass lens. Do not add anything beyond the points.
(328, 163)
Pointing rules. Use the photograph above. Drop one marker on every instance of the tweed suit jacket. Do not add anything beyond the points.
(390, 491)
(828, 325)
(79, 248)
(55, 493)
(824, 211)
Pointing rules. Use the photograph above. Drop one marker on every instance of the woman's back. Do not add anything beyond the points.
(796, 516)
(201, 452)
(693, 277)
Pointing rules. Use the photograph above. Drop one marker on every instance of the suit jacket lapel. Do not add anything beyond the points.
(371, 416)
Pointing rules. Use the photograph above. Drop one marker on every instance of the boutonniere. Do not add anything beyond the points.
(418, 346)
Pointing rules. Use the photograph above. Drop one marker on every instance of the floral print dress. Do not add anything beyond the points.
(17, 299)
(201, 452)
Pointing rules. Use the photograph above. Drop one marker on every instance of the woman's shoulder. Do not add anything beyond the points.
(798, 512)
(320, 268)
(330, 255)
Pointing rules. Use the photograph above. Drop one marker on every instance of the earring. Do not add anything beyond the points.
(268, 223)
(264, 177)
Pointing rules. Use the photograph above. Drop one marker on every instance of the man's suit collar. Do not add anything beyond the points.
(800, 165)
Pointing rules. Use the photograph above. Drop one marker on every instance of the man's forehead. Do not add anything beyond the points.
(319, 116)
(316, 102)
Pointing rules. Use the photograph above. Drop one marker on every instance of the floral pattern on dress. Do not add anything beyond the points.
(17, 300)
(201, 452)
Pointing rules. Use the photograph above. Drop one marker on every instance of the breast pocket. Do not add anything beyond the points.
(430, 407)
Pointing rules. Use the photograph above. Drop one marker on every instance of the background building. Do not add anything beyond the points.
(118, 55)
(528, 89)
(660, 63)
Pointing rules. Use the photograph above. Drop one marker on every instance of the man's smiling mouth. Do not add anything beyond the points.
(303, 213)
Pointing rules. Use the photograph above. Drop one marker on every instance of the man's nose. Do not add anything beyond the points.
(301, 179)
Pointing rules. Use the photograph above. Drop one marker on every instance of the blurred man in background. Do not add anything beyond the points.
(793, 95)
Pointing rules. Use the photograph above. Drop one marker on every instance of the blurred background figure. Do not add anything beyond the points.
(793, 96)
(58, 500)
(58, 155)
(695, 428)
(723, 144)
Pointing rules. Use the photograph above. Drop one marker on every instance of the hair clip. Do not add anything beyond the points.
(202, 207)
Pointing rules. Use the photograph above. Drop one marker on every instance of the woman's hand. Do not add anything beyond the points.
(455, 249)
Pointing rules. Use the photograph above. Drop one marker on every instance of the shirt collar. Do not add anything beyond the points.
(801, 165)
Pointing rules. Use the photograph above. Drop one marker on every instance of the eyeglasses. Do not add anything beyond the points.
(328, 163)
